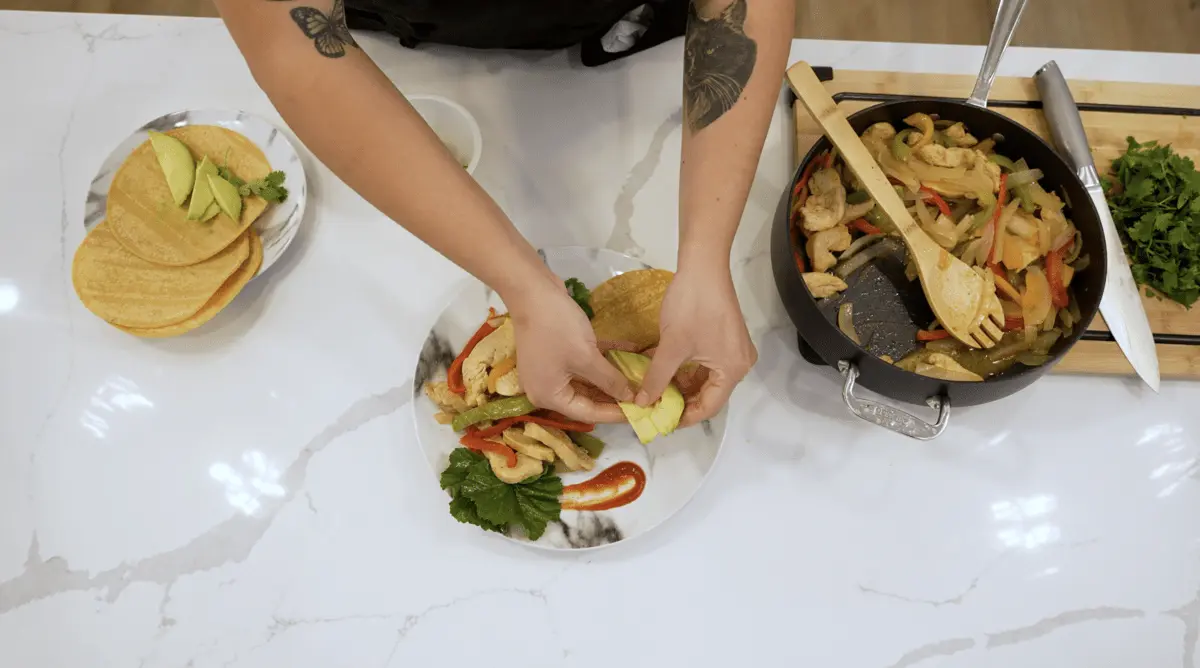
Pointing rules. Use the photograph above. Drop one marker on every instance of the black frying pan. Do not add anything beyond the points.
(889, 309)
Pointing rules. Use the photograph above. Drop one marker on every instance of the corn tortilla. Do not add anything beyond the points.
(627, 306)
(127, 290)
(145, 219)
(219, 301)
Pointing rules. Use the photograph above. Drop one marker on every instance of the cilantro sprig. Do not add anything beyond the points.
(1154, 195)
(269, 187)
(478, 497)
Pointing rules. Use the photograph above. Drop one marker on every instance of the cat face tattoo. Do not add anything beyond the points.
(717, 62)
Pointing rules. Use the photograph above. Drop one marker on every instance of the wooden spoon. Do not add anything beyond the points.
(961, 299)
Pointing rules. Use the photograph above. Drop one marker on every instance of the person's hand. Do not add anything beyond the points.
(702, 322)
(556, 344)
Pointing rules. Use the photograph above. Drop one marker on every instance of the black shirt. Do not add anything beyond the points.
(514, 24)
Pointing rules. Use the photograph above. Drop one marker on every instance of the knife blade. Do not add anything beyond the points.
(1121, 303)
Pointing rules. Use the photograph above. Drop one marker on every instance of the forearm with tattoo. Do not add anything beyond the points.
(327, 31)
(718, 60)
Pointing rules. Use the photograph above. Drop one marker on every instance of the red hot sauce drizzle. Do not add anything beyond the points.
(618, 485)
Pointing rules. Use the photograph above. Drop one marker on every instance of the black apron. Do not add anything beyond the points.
(517, 24)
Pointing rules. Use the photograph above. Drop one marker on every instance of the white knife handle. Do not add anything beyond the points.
(1066, 127)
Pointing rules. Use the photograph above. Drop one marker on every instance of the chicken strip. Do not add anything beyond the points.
(449, 402)
(940, 156)
(526, 445)
(572, 455)
(823, 285)
(879, 132)
(958, 135)
(493, 349)
(526, 467)
(990, 168)
(826, 203)
(821, 244)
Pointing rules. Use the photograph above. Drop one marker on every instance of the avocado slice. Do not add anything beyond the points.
(177, 165)
(227, 196)
(668, 410)
(651, 421)
(202, 198)
(211, 212)
(640, 419)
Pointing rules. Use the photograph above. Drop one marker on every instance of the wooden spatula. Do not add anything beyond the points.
(963, 301)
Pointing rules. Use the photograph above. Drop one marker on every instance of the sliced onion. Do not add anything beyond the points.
(876, 250)
(1063, 237)
(845, 320)
(1022, 227)
(1021, 178)
(859, 244)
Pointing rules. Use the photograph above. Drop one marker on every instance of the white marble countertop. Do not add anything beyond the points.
(253, 495)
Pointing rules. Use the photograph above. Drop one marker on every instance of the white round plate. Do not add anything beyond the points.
(278, 224)
(675, 465)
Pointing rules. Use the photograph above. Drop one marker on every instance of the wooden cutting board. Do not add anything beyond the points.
(1111, 112)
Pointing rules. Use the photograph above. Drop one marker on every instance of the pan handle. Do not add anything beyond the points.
(894, 419)
(1008, 15)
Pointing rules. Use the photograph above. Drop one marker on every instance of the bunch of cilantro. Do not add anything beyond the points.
(1154, 195)
(478, 497)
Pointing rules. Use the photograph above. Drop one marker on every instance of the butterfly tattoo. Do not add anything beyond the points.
(328, 32)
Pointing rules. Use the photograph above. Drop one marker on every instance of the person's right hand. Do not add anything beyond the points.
(556, 344)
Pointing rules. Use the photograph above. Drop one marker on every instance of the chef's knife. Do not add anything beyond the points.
(1121, 303)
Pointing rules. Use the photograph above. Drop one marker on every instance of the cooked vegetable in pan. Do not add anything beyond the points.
(986, 209)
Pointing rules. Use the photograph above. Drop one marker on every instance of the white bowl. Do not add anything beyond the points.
(454, 124)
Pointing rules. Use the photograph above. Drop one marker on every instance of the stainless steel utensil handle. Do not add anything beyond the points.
(1008, 15)
(1066, 127)
(894, 419)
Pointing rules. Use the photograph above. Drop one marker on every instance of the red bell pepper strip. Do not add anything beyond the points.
(863, 226)
(558, 422)
(454, 379)
(799, 261)
(1054, 272)
(934, 335)
(937, 200)
(1014, 323)
(474, 441)
(1001, 200)
(1063, 249)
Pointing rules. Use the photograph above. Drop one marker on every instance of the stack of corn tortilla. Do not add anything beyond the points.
(150, 271)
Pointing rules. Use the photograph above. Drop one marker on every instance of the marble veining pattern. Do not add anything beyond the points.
(253, 495)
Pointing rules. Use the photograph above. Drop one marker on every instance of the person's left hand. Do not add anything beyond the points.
(701, 322)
